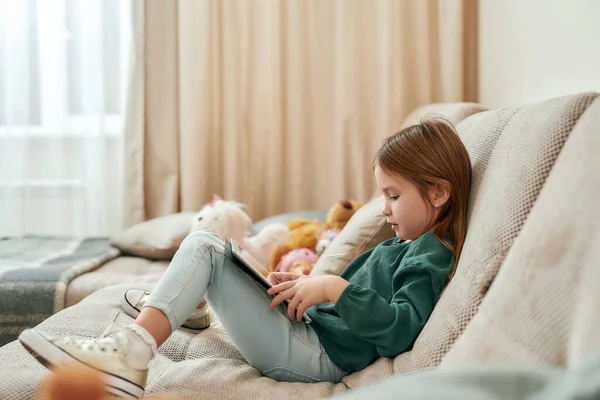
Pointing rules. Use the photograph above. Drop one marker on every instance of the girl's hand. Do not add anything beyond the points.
(278, 277)
(304, 293)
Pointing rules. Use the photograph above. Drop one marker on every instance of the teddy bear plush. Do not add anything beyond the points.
(306, 234)
(302, 234)
(337, 218)
(340, 213)
(229, 220)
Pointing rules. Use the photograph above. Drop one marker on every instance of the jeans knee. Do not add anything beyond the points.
(203, 233)
(205, 237)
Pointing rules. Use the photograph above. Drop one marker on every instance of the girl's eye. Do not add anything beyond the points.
(394, 198)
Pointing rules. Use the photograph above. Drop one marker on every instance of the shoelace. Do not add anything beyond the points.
(103, 344)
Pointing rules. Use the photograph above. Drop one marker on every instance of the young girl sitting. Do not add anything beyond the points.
(376, 308)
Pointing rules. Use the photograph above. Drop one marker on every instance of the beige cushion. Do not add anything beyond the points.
(543, 306)
(157, 239)
(124, 269)
(367, 228)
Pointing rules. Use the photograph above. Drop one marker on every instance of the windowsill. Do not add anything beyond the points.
(78, 126)
(54, 183)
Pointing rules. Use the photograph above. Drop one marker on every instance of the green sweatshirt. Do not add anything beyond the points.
(393, 289)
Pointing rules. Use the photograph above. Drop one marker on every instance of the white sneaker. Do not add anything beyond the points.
(135, 299)
(105, 355)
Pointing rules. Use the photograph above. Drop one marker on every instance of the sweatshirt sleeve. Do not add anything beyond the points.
(391, 326)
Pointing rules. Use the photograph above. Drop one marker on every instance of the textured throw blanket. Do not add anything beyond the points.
(35, 272)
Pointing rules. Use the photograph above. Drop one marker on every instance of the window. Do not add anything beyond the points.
(64, 67)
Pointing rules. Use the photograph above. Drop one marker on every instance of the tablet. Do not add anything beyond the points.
(252, 267)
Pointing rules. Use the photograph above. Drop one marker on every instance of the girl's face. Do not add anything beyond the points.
(405, 209)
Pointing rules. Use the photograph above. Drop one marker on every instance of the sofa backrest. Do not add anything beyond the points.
(543, 306)
(512, 151)
(453, 112)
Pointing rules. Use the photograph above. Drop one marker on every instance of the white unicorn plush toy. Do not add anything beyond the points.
(229, 220)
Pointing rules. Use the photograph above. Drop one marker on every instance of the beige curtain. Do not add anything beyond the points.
(282, 104)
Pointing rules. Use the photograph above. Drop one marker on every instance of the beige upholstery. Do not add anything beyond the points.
(543, 305)
(518, 162)
(157, 239)
(125, 269)
(524, 292)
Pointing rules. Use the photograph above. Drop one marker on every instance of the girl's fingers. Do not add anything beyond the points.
(281, 297)
(300, 311)
(273, 279)
(281, 287)
(283, 276)
(292, 307)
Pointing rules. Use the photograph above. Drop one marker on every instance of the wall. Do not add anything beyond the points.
(530, 50)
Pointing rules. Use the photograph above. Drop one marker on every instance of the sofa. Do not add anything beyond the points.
(523, 293)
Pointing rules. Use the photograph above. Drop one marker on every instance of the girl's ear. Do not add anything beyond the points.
(439, 193)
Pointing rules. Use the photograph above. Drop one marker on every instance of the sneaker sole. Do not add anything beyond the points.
(134, 312)
(50, 355)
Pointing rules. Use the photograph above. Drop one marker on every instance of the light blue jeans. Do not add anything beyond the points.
(281, 349)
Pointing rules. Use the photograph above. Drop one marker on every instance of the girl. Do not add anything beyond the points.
(376, 308)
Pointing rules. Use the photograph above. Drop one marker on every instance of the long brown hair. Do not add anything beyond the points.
(427, 154)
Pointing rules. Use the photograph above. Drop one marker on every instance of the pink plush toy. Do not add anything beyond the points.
(302, 254)
(229, 220)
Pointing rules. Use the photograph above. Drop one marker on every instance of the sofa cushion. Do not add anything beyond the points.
(543, 305)
(367, 228)
(512, 152)
(157, 239)
(187, 364)
(124, 269)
